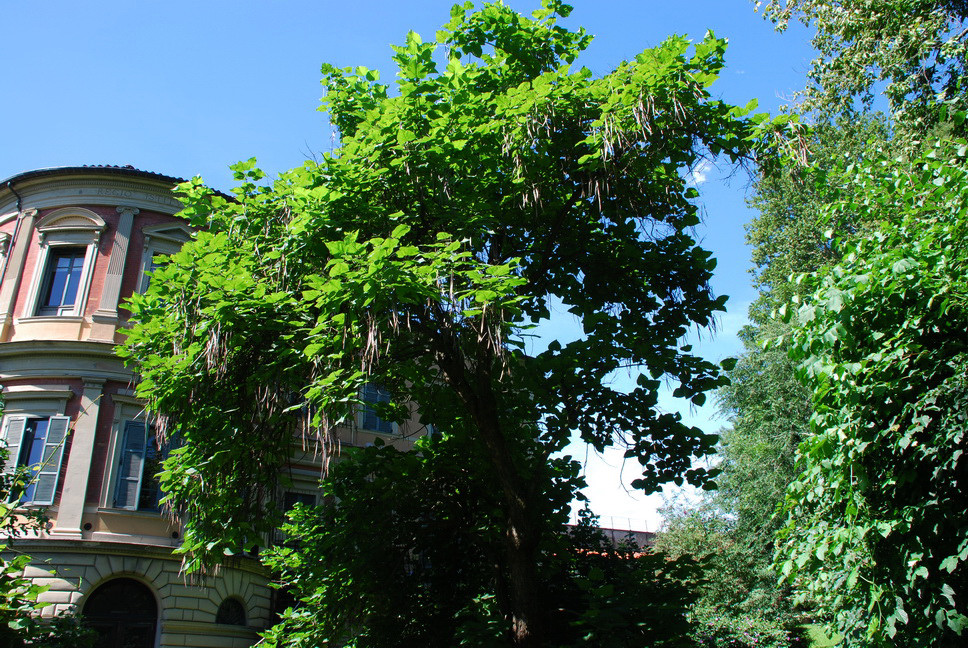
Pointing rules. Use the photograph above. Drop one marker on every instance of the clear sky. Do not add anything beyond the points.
(187, 88)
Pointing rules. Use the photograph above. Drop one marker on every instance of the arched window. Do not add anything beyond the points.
(231, 612)
(124, 614)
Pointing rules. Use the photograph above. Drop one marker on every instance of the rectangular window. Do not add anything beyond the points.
(153, 264)
(289, 501)
(37, 443)
(368, 417)
(62, 278)
(137, 487)
(292, 498)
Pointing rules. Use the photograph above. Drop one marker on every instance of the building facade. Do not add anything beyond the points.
(74, 243)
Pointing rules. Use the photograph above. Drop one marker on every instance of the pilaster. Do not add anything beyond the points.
(14, 270)
(74, 491)
(105, 318)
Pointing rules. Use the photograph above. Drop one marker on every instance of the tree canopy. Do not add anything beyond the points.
(493, 180)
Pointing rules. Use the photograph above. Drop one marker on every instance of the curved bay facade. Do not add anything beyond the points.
(74, 243)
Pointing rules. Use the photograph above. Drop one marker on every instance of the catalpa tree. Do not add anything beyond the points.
(494, 181)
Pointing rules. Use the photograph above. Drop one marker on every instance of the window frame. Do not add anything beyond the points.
(383, 395)
(63, 228)
(54, 444)
(127, 409)
(241, 606)
(49, 273)
(117, 467)
(160, 240)
(300, 491)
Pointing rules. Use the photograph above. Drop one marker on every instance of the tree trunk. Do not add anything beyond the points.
(523, 524)
(526, 601)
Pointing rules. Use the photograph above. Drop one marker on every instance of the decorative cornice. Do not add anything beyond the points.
(52, 191)
(61, 359)
(35, 546)
(16, 392)
(128, 400)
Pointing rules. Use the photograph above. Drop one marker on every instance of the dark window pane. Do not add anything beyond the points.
(62, 278)
(32, 451)
(150, 486)
(231, 612)
(292, 498)
(369, 418)
(137, 486)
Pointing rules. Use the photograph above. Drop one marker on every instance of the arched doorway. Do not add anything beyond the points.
(124, 614)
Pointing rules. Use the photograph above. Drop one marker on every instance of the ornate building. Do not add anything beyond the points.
(76, 242)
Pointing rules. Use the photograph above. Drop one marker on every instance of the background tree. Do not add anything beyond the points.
(495, 180)
(767, 408)
(914, 50)
(376, 565)
(916, 53)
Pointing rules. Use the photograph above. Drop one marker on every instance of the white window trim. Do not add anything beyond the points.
(165, 240)
(67, 227)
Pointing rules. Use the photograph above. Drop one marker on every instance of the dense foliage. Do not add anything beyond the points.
(495, 180)
(876, 529)
(738, 603)
(915, 53)
(789, 233)
(767, 408)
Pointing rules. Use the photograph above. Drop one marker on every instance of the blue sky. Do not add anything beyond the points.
(187, 88)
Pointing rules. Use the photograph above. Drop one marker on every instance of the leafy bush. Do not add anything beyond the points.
(876, 528)
(717, 630)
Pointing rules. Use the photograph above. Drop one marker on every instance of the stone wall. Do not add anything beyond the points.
(186, 610)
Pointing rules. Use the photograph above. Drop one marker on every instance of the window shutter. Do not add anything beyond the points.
(15, 435)
(50, 468)
(130, 466)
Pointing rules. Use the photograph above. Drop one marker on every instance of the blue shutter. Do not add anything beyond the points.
(14, 437)
(131, 465)
(46, 479)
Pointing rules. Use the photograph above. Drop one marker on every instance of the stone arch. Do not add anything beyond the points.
(70, 219)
